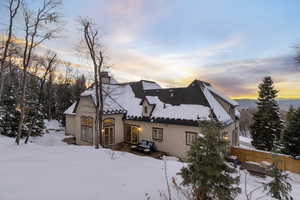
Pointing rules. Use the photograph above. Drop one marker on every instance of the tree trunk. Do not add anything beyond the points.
(22, 107)
(101, 106)
(1, 84)
(12, 14)
(29, 132)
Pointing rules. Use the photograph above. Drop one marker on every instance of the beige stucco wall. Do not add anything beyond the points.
(119, 127)
(174, 136)
(70, 125)
(86, 108)
(230, 129)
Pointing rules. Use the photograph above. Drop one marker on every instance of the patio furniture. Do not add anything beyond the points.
(144, 146)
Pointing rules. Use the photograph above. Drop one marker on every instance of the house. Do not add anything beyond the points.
(143, 110)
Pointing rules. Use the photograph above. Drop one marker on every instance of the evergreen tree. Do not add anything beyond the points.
(207, 174)
(279, 187)
(10, 115)
(267, 125)
(290, 114)
(291, 134)
(34, 115)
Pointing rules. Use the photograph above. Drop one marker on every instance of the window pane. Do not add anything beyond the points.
(157, 134)
(191, 137)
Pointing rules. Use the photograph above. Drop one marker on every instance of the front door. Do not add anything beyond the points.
(134, 134)
(108, 136)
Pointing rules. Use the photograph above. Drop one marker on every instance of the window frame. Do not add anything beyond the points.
(161, 132)
(84, 125)
(186, 137)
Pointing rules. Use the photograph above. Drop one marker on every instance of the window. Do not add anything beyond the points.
(86, 129)
(108, 132)
(191, 137)
(157, 134)
(145, 109)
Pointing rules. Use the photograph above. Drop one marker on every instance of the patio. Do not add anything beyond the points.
(126, 148)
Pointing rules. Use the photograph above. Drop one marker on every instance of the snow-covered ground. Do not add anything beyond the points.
(48, 169)
(245, 142)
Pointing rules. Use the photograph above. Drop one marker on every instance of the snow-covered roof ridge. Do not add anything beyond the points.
(70, 110)
(221, 114)
(207, 85)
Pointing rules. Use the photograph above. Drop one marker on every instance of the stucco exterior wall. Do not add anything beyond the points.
(70, 125)
(233, 137)
(174, 136)
(86, 108)
(119, 127)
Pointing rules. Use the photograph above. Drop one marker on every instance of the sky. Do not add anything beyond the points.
(232, 44)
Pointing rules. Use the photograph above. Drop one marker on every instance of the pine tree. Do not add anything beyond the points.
(10, 115)
(33, 123)
(207, 174)
(290, 114)
(291, 134)
(267, 125)
(279, 187)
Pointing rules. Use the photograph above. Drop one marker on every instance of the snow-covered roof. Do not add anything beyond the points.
(181, 112)
(70, 110)
(111, 103)
(191, 103)
(219, 94)
(221, 114)
(149, 85)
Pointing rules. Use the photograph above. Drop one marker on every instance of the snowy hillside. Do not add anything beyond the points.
(48, 169)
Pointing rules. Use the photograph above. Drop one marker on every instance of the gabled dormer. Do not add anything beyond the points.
(147, 107)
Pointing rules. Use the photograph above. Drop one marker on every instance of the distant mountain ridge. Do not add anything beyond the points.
(284, 104)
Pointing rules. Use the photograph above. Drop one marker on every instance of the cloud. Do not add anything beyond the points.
(241, 78)
(125, 19)
(202, 55)
(221, 48)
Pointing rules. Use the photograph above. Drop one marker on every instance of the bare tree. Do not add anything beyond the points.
(95, 52)
(13, 7)
(40, 25)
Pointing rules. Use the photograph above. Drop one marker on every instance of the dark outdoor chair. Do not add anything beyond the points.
(144, 146)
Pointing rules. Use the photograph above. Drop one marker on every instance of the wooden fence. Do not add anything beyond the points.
(284, 162)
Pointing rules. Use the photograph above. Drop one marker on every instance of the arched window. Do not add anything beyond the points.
(108, 122)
